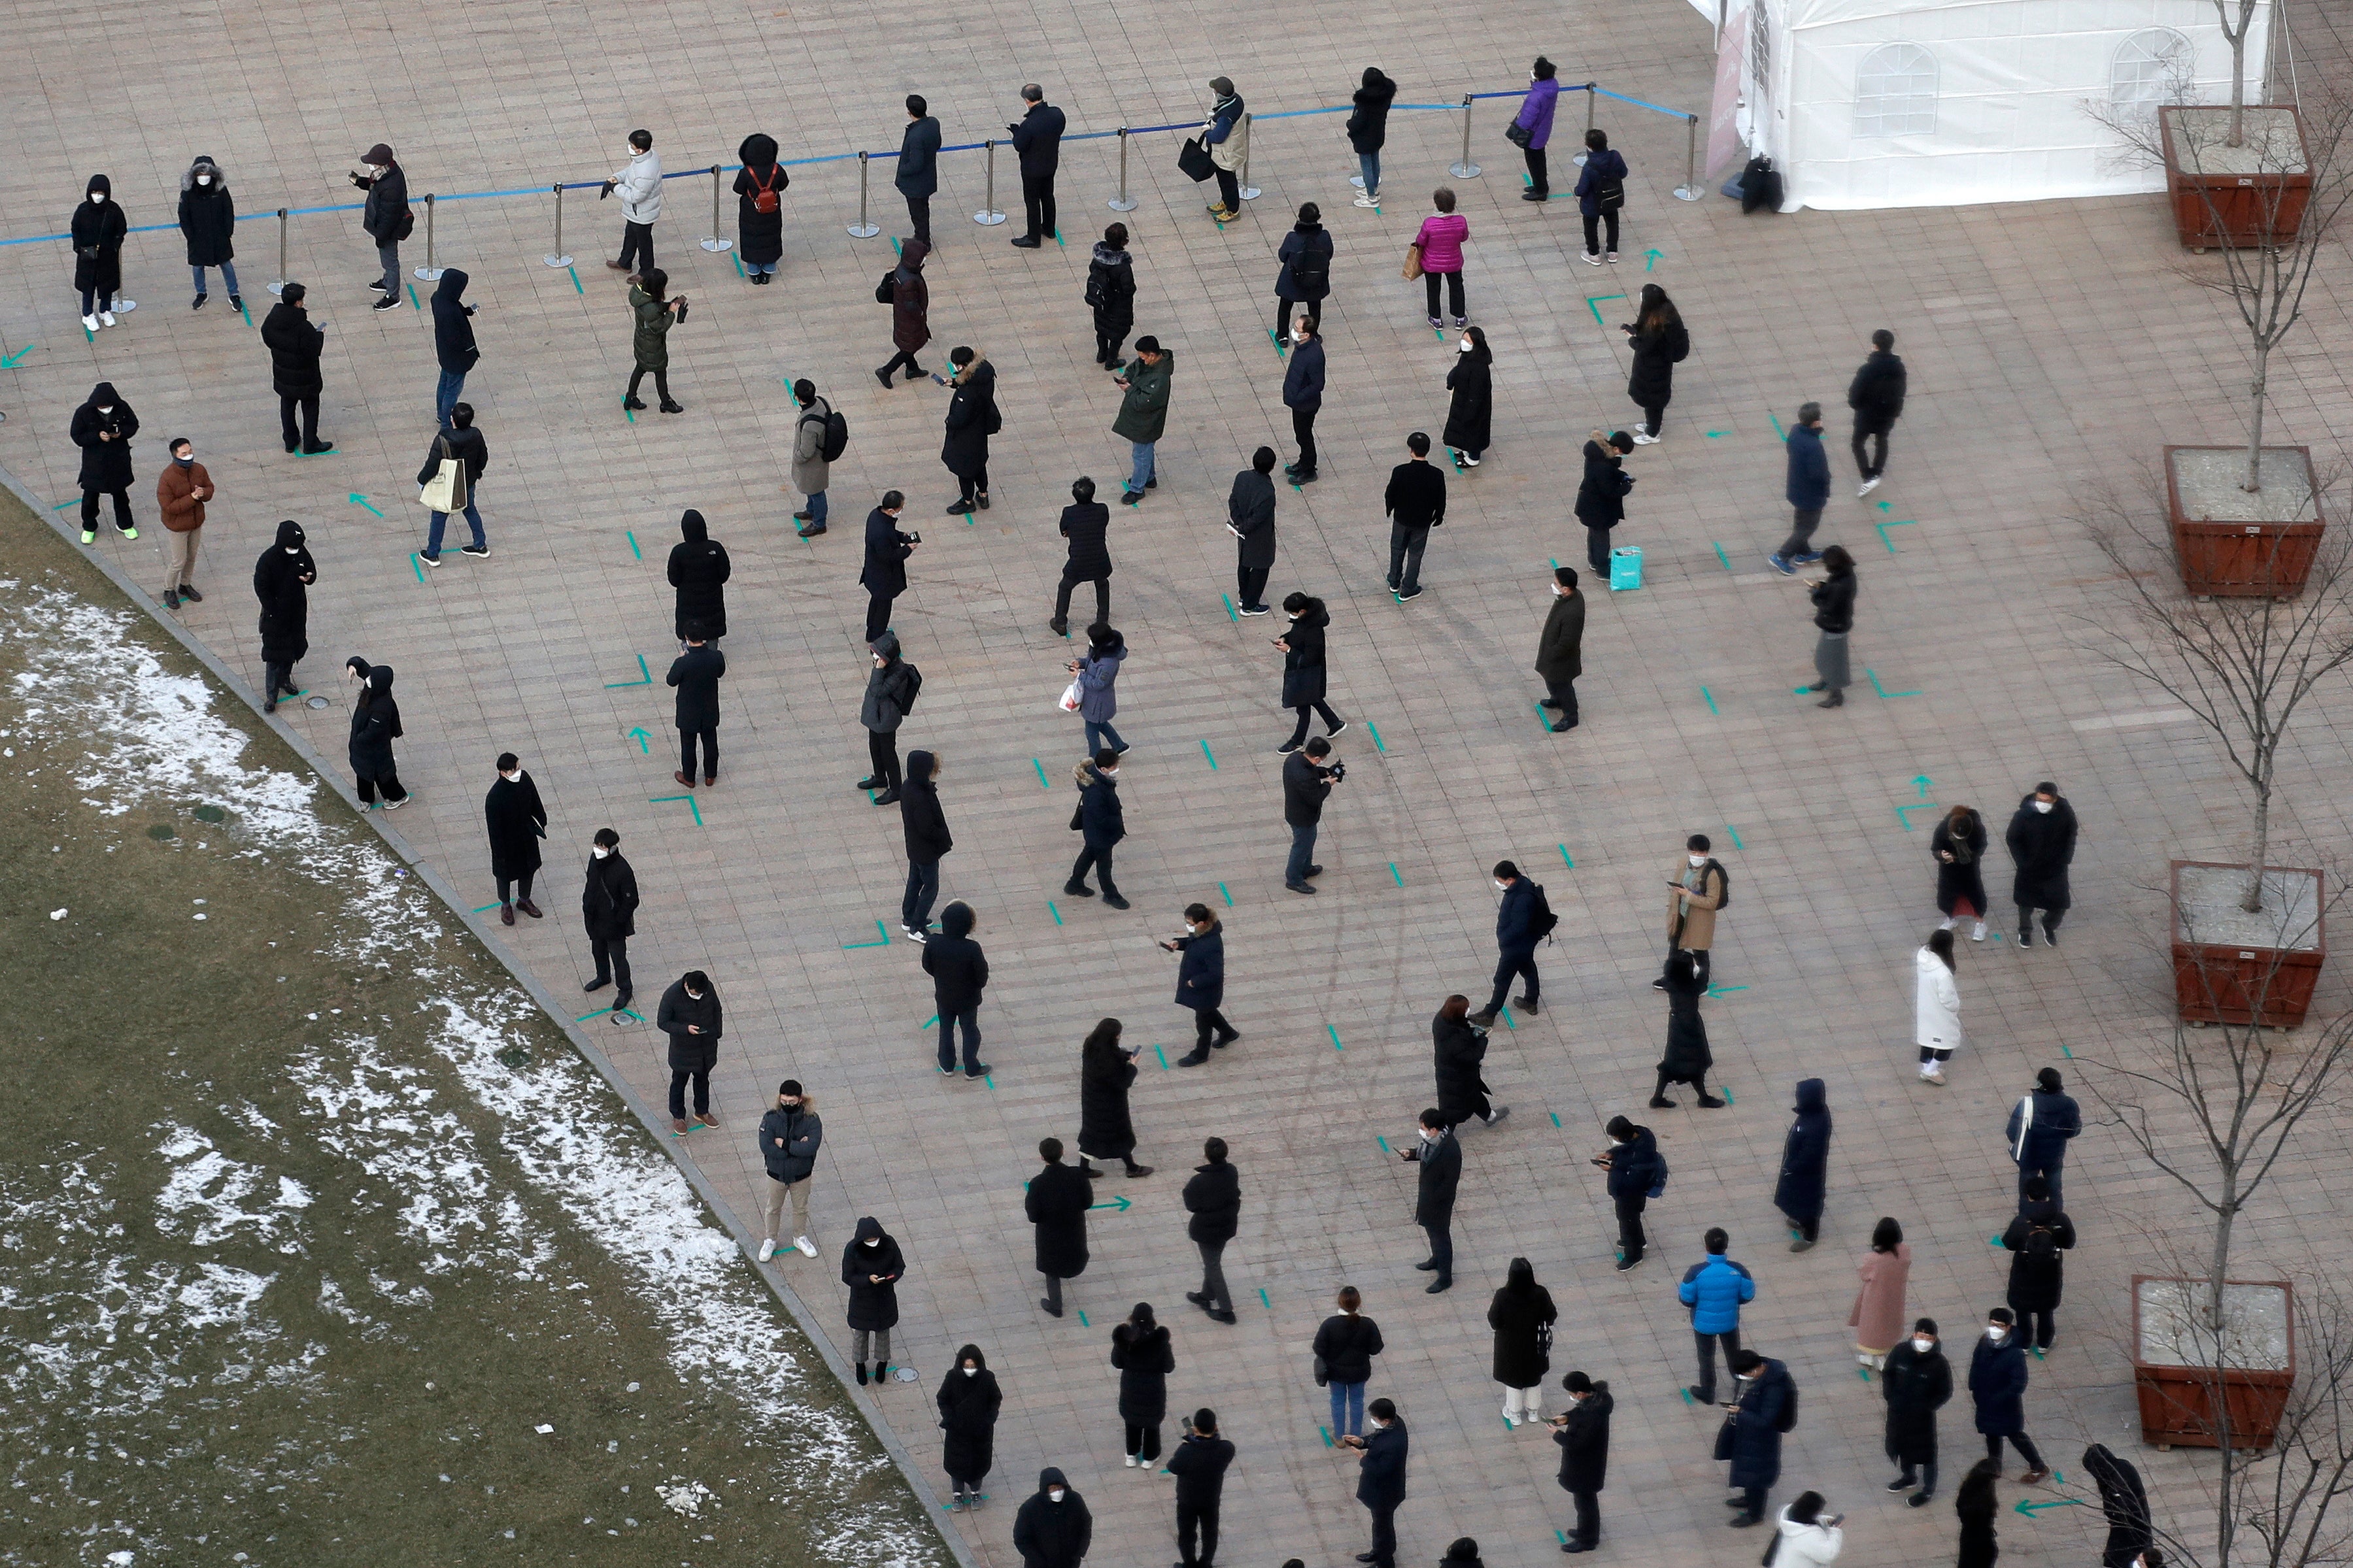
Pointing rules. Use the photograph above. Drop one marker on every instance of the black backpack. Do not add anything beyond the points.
(2042, 1248)
(882, 292)
(1311, 270)
(910, 688)
(1789, 1418)
(1545, 920)
(1760, 185)
(1608, 193)
(1723, 898)
(1097, 295)
(836, 437)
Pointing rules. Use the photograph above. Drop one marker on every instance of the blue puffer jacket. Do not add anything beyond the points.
(1714, 1291)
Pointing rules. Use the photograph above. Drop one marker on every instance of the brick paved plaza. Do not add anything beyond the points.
(2052, 348)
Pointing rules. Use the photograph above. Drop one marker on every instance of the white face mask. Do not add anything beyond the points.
(1055, 1495)
(1996, 1332)
(2044, 805)
(513, 776)
(971, 1371)
(1465, 347)
(600, 851)
(1429, 1135)
(1503, 887)
(204, 179)
(1922, 1346)
(633, 152)
(1696, 860)
(98, 198)
(873, 1241)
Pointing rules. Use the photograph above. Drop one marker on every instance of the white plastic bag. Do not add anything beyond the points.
(1070, 698)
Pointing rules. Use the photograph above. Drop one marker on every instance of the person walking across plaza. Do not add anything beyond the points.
(1958, 845)
(459, 442)
(1056, 1206)
(1086, 523)
(1522, 918)
(1097, 670)
(2037, 1236)
(1437, 247)
(1531, 129)
(1143, 1356)
(1344, 1346)
(639, 182)
(1714, 1289)
(759, 208)
(812, 469)
(97, 229)
(884, 573)
(1832, 597)
(1876, 395)
(376, 725)
(2041, 1124)
(295, 345)
(1249, 518)
(1634, 1166)
(1936, 1005)
(1582, 1431)
(1226, 135)
(1877, 1315)
(1560, 651)
(1470, 411)
(1369, 130)
(924, 826)
(1303, 394)
(1601, 496)
(1303, 664)
(690, 1015)
(1198, 1462)
(608, 909)
(1107, 1074)
(1458, 1049)
(971, 418)
(1201, 983)
(102, 427)
(1304, 275)
(1415, 503)
(1695, 890)
(1439, 1156)
(696, 673)
(1806, 490)
(2041, 842)
(1805, 1164)
(873, 1266)
(1054, 1527)
(1380, 1478)
(1916, 1383)
(282, 575)
(1998, 1388)
(918, 176)
(386, 217)
(1978, 1505)
(1658, 342)
(1766, 1409)
(969, 1400)
(1213, 1196)
(454, 348)
(515, 821)
(2124, 1501)
(1143, 413)
(1111, 294)
(1307, 781)
(791, 1133)
(1601, 196)
(1522, 1314)
(655, 313)
(959, 972)
(208, 224)
(1101, 822)
(909, 295)
(181, 491)
(1687, 1057)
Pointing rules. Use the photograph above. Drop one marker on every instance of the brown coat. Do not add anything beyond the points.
(1690, 917)
(175, 496)
(1878, 1319)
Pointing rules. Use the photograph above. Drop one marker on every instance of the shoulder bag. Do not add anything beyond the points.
(440, 491)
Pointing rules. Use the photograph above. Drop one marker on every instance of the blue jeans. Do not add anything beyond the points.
(444, 395)
(441, 522)
(816, 509)
(1370, 162)
(1098, 733)
(228, 278)
(1347, 1409)
(1302, 855)
(1143, 474)
(970, 1018)
(757, 269)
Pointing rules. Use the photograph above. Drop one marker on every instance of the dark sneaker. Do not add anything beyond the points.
(188, 591)
(477, 550)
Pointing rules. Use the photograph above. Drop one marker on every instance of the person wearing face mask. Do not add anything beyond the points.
(386, 217)
(1696, 891)
(98, 229)
(1201, 983)
(1380, 1478)
(1522, 1314)
(1415, 503)
(1522, 918)
(1560, 651)
(1085, 522)
(376, 725)
(1226, 135)
(1249, 518)
(1102, 822)
(1055, 1527)
(1213, 1196)
(1469, 416)
(1198, 1463)
(1766, 1408)
(1304, 273)
(1582, 1431)
(1805, 1164)
(1915, 1381)
(1459, 1050)
(1056, 1206)
(2041, 1124)
(883, 574)
(640, 181)
(969, 1400)
(1531, 129)
(1344, 1346)
(690, 1015)
(889, 697)
(1304, 667)
(1438, 1155)
(971, 418)
(516, 822)
(1601, 495)
(1998, 1389)
(1367, 133)
(208, 222)
(282, 575)
(460, 443)
(959, 972)
(696, 674)
(1634, 1167)
(872, 1265)
(608, 908)
(2041, 841)
(790, 1135)
(102, 427)
(181, 491)
(1303, 394)
(1307, 781)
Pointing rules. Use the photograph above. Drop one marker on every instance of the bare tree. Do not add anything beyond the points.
(2236, 35)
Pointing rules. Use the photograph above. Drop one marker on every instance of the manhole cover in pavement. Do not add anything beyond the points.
(903, 1373)
(315, 702)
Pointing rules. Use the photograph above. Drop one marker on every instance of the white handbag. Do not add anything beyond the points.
(1070, 698)
(440, 491)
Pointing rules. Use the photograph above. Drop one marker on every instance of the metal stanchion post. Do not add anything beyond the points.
(556, 257)
(1689, 189)
(1466, 169)
(279, 284)
(1123, 202)
(862, 229)
(988, 215)
(428, 272)
(712, 241)
(1580, 159)
(1248, 192)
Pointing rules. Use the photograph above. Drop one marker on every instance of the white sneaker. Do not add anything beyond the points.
(1469, 461)
(808, 1247)
(1133, 1461)
(1932, 1073)
(1866, 487)
(1368, 200)
(767, 1249)
(1592, 259)
(1642, 439)
(1511, 1420)
(106, 317)
(1948, 923)
(89, 323)
(1979, 934)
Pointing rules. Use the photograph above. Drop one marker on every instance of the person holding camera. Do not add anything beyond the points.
(1199, 1466)
(655, 313)
(1307, 779)
(884, 575)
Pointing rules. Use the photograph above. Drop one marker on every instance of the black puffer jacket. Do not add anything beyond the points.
(282, 579)
(208, 215)
(698, 570)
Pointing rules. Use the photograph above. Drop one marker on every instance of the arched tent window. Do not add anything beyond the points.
(1895, 92)
(2152, 67)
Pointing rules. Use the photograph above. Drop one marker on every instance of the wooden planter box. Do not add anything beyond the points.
(2185, 1397)
(2231, 967)
(2237, 544)
(2237, 196)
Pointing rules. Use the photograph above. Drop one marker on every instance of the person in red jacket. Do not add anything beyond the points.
(181, 492)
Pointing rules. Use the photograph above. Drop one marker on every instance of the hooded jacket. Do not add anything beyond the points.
(1607, 164)
(652, 321)
(1050, 1534)
(1249, 512)
(1806, 1154)
(680, 1012)
(1470, 415)
(1303, 661)
(1143, 408)
(98, 230)
(2042, 843)
(911, 297)
(1601, 493)
(1936, 1003)
(789, 1140)
(1976, 1505)
(1687, 1057)
(698, 570)
(759, 237)
(1201, 971)
(1368, 122)
(1916, 1386)
(1102, 821)
(281, 578)
(453, 324)
(1458, 1049)
(1522, 1314)
(921, 819)
(515, 822)
(971, 409)
(639, 183)
(1633, 1164)
(958, 968)
(811, 472)
(1111, 288)
(1144, 1359)
(1056, 1206)
(472, 452)
(1584, 1439)
(889, 689)
(1807, 1543)
(376, 725)
(885, 572)
(208, 214)
(2036, 1237)
(968, 1404)
(919, 150)
(1085, 525)
(1213, 1196)
(2124, 1501)
(1106, 1132)
(608, 900)
(1098, 681)
(385, 217)
(1809, 485)
(1876, 393)
(105, 464)
(294, 345)
(873, 1303)
(697, 673)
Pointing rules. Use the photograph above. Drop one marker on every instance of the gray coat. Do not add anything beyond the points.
(810, 467)
(1097, 698)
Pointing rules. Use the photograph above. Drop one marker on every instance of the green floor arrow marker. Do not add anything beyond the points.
(1053, 911)
(642, 737)
(412, 298)
(1505, 1014)
(1556, 1117)
(1777, 431)
(416, 565)
(1374, 731)
(1228, 897)
(358, 499)
(1042, 782)
(929, 1022)
(1873, 677)
(1393, 873)
(1883, 527)
(1327, 1435)
(1120, 1203)
(2031, 1508)
(1162, 1055)
(1384, 1143)
(1735, 836)
(1263, 1299)
(880, 927)
(1921, 783)
(738, 261)
(645, 677)
(1651, 259)
(10, 362)
(631, 535)
(1563, 856)
(1334, 1033)
(1083, 1318)
(486, 909)
(1229, 598)
(1722, 991)
(628, 410)
(1211, 755)
(1593, 303)
(1720, 555)
(690, 806)
(1711, 702)
(1278, 352)
(576, 280)
(1916, 805)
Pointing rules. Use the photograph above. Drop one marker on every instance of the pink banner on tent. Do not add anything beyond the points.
(1724, 145)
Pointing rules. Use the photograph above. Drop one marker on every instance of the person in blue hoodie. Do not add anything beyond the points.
(1805, 1164)
(1808, 490)
(1600, 196)
(1715, 1289)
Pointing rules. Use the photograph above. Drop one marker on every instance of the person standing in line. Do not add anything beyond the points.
(1806, 490)
(1522, 1314)
(699, 569)
(909, 295)
(1959, 847)
(925, 827)
(1522, 918)
(640, 181)
(969, 1400)
(98, 230)
(972, 418)
(1368, 132)
(1303, 394)
(1106, 1072)
(1438, 242)
(883, 574)
(1470, 415)
(1687, 1057)
(1714, 1289)
(697, 673)
(1038, 141)
(1380, 1478)
(2125, 1501)
(102, 427)
(1458, 1051)
(656, 314)
(1198, 1462)
(1763, 1411)
(811, 469)
(918, 174)
(295, 345)
(1876, 395)
(1307, 781)
(1111, 294)
(1303, 661)
(454, 348)
(1415, 503)
(282, 575)
(1583, 1433)
(1056, 1206)
(376, 725)
(2041, 841)
(1534, 122)
(460, 443)
(891, 690)
(689, 1015)
(1634, 1167)
(181, 491)
(208, 223)
(1877, 1316)
(1832, 597)
(1201, 983)
(1601, 495)
(1214, 1198)
(1805, 1164)
(1141, 1355)
(1601, 196)
(1998, 1389)
(1098, 671)
(1809, 1539)
(1249, 518)
(1439, 1156)
(516, 822)
(1143, 413)
(1976, 1505)
(759, 212)
(2041, 1126)
(1916, 1380)
(386, 217)
(608, 909)
(1226, 133)
(1560, 651)
(1304, 272)
(1085, 522)
(1346, 1344)
(1054, 1526)
(959, 972)
(2036, 1237)
(790, 1135)
(872, 1265)
(1101, 822)
(1659, 343)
